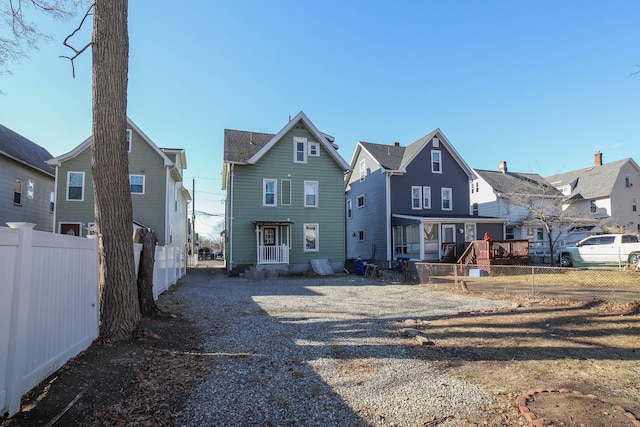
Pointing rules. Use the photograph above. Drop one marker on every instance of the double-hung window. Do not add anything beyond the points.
(349, 208)
(311, 238)
(363, 170)
(269, 192)
(447, 196)
(128, 140)
(311, 194)
(426, 197)
(137, 184)
(436, 161)
(17, 192)
(299, 149)
(360, 201)
(416, 197)
(75, 186)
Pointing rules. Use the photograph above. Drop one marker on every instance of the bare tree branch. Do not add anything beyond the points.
(18, 35)
(77, 52)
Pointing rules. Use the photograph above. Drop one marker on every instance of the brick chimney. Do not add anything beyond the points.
(597, 159)
(503, 166)
(395, 144)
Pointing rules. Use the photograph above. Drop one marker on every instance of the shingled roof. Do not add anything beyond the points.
(508, 182)
(591, 183)
(241, 145)
(245, 147)
(396, 158)
(19, 148)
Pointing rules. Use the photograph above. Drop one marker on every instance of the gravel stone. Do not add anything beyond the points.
(322, 352)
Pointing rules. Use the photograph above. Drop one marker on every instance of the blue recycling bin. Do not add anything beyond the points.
(361, 266)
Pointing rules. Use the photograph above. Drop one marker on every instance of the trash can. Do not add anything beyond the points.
(361, 266)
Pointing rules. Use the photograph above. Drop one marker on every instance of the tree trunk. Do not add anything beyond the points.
(119, 310)
(149, 240)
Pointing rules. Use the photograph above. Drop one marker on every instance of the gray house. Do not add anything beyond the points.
(158, 195)
(505, 194)
(609, 192)
(285, 199)
(28, 181)
(411, 202)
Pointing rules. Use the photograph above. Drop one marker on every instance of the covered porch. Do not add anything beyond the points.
(439, 239)
(273, 241)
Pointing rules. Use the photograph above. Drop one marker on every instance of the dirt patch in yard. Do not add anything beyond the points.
(143, 382)
(537, 344)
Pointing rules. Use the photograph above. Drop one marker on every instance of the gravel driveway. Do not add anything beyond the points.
(320, 352)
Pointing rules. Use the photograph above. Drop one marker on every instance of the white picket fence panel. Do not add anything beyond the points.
(49, 302)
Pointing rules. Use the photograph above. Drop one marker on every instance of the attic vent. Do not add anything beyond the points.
(299, 127)
(436, 142)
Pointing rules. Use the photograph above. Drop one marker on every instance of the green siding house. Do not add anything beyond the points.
(158, 196)
(284, 199)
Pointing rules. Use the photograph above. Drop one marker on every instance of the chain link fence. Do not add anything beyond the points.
(615, 285)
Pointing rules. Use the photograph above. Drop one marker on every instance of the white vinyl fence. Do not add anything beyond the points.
(49, 303)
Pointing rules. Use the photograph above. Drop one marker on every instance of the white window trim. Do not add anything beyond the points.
(143, 183)
(363, 201)
(468, 225)
(275, 192)
(296, 140)
(419, 197)
(443, 190)
(349, 208)
(363, 169)
(315, 145)
(81, 199)
(128, 140)
(317, 188)
(426, 197)
(439, 161)
(304, 238)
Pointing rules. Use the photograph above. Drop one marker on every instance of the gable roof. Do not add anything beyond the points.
(57, 161)
(396, 158)
(507, 182)
(23, 150)
(243, 147)
(593, 182)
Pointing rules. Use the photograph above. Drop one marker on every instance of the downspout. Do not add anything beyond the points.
(230, 231)
(388, 203)
(55, 200)
(166, 207)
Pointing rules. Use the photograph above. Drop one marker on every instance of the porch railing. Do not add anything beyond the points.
(273, 254)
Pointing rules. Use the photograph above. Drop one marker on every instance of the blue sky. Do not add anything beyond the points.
(541, 84)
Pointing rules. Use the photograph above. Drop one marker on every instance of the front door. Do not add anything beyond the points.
(448, 243)
(269, 240)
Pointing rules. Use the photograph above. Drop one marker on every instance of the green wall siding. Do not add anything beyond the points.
(149, 209)
(278, 164)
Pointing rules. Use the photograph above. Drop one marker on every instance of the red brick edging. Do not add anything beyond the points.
(522, 405)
